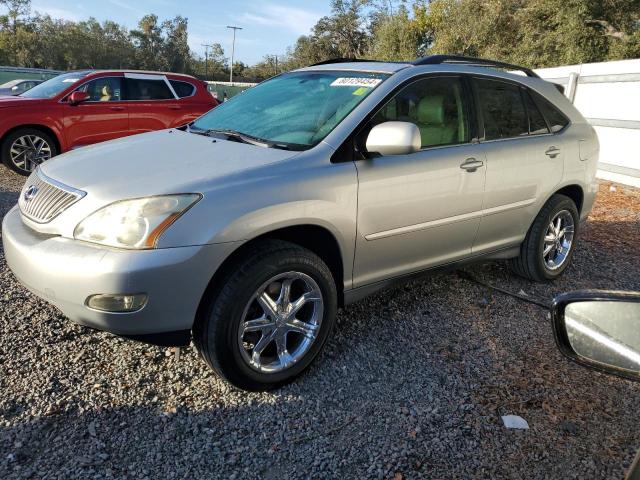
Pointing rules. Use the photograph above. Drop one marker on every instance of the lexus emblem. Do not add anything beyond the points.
(30, 192)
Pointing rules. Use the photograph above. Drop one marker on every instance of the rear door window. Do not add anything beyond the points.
(502, 110)
(144, 89)
(182, 89)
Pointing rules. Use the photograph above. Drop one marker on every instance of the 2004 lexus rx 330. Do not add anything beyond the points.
(248, 228)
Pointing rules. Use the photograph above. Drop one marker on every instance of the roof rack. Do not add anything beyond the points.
(471, 61)
(340, 60)
(440, 59)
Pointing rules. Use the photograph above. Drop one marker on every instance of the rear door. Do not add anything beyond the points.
(103, 117)
(151, 101)
(524, 162)
(187, 107)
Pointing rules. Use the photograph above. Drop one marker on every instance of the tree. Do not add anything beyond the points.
(149, 44)
(395, 38)
(176, 46)
(536, 33)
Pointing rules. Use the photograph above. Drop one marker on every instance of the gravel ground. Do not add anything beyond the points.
(412, 385)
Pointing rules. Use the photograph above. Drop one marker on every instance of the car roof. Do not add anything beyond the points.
(431, 63)
(375, 67)
(145, 72)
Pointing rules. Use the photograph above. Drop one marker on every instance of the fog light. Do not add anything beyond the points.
(119, 303)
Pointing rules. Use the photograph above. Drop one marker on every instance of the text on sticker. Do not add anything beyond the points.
(356, 82)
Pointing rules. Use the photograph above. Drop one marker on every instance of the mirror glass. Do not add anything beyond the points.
(607, 332)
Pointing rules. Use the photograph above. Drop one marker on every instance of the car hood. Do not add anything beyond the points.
(156, 163)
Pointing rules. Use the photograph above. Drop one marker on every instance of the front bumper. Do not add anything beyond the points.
(65, 272)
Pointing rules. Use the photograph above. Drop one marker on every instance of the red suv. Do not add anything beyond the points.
(80, 108)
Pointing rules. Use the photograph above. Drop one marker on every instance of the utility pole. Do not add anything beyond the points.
(233, 49)
(206, 57)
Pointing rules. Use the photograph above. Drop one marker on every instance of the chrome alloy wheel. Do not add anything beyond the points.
(28, 151)
(281, 322)
(558, 240)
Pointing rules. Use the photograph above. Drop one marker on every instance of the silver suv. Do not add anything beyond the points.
(247, 229)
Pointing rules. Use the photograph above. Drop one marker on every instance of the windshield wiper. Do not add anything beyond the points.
(238, 137)
(241, 137)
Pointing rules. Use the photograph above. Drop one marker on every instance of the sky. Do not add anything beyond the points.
(269, 27)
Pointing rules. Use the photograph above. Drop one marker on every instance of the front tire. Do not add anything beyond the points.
(548, 248)
(269, 318)
(25, 148)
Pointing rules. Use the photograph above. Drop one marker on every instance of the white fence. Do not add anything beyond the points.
(608, 95)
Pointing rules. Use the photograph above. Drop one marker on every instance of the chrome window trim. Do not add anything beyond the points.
(156, 78)
(193, 92)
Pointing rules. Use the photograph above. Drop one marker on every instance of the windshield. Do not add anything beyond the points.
(299, 108)
(54, 86)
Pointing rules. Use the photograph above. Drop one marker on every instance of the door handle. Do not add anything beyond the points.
(552, 152)
(117, 108)
(174, 107)
(471, 164)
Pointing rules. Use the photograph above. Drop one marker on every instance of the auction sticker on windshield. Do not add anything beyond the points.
(356, 82)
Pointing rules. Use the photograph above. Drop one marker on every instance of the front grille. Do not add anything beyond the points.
(42, 199)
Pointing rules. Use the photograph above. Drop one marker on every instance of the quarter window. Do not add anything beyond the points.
(435, 106)
(182, 89)
(104, 89)
(537, 124)
(502, 109)
(557, 120)
(143, 89)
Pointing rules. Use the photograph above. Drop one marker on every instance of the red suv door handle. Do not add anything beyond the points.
(174, 107)
(116, 107)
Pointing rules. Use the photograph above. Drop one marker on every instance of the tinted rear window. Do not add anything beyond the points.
(139, 89)
(503, 112)
(182, 89)
(557, 120)
(537, 124)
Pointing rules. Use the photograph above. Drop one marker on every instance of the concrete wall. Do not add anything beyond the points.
(608, 95)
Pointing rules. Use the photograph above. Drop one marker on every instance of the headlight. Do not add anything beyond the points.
(136, 223)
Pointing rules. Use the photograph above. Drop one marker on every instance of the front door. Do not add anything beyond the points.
(103, 117)
(423, 209)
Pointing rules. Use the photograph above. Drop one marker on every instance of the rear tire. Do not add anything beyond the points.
(547, 251)
(257, 342)
(25, 148)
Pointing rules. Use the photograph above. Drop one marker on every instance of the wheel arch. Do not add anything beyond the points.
(575, 192)
(316, 238)
(35, 126)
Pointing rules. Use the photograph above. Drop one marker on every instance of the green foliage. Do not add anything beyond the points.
(43, 42)
(536, 33)
(395, 38)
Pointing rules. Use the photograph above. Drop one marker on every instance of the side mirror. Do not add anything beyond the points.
(394, 138)
(78, 97)
(600, 329)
